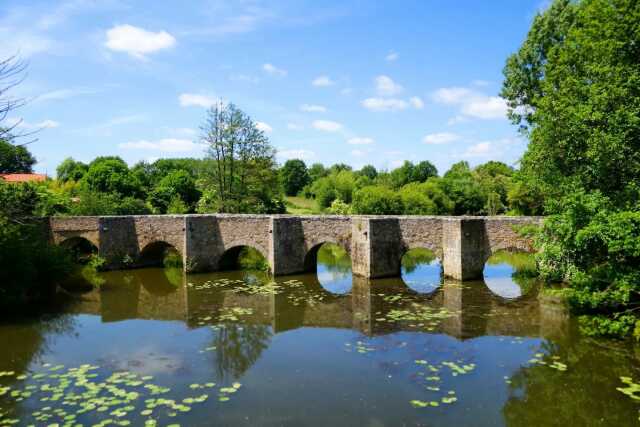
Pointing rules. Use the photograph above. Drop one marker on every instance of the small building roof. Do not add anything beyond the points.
(23, 177)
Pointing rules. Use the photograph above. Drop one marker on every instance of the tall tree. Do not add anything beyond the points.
(574, 87)
(294, 176)
(244, 174)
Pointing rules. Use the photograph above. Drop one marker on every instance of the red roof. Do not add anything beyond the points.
(23, 177)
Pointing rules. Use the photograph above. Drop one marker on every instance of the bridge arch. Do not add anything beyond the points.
(154, 253)
(81, 247)
(255, 259)
(311, 255)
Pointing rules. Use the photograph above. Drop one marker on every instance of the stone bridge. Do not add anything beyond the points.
(376, 244)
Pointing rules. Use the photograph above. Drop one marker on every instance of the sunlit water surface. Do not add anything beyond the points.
(155, 347)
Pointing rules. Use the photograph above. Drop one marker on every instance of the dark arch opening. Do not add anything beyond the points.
(159, 254)
(332, 265)
(243, 258)
(510, 273)
(81, 249)
(421, 270)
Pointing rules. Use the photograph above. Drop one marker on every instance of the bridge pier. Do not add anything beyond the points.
(464, 248)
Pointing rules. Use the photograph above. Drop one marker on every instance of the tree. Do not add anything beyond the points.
(243, 172)
(178, 184)
(317, 171)
(11, 74)
(464, 190)
(294, 176)
(574, 87)
(15, 158)
(369, 171)
(71, 170)
(423, 171)
(375, 200)
(111, 175)
(415, 201)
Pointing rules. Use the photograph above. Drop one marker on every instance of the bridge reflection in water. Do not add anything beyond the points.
(473, 310)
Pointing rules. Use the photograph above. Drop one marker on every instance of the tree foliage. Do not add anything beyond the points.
(15, 158)
(243, 172)
(294, 176)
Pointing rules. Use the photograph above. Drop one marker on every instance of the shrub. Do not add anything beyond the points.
(376, 200)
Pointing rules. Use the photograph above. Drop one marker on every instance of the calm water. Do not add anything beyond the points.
(154, 346)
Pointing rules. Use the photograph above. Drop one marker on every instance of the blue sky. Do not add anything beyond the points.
(358, 82)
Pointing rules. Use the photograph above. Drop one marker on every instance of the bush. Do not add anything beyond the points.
(29, 265)
(338, 207)
(596, 249)
(415, 201)
(376, 200)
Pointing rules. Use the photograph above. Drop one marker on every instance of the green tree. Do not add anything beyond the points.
(111, 175)
(243, 163)
(294, 176)
(423, 171)
(71, 170)
(369, 171)
(317, 171)
(375, 200)
(574, 87)
(415, 201)
(15, 158)
(177, 184)
(464, 190)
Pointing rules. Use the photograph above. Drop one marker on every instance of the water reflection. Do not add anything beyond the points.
(510, 274)
(301, 352)
(334, 268)
(421, 270)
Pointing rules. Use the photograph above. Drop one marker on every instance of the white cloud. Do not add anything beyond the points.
(196, 100)
(273, 70)
(244, 78)
(360, 141)
(183, 131)
(385, 86)
(327, 125)
(294, 126)
(472, 103)
(478, 150)
(440, 138)
(296, 154)
(171, 145)
(384, 104)
(310, 108)
(61, 94)
(358, 153)
(22, 124)
(491, 107)
(480, 83)
(457, 119)
(264, 127)
(48, 124)
(346, 91)
(322, 81)
(137, 42)
(416, 102)
(391, 56)
(452, 95)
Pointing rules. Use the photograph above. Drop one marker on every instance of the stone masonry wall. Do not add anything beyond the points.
(376, 244)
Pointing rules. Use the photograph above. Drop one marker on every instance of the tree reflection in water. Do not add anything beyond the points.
(238, 347)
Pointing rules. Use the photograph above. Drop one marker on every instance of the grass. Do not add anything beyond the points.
(301, 206)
